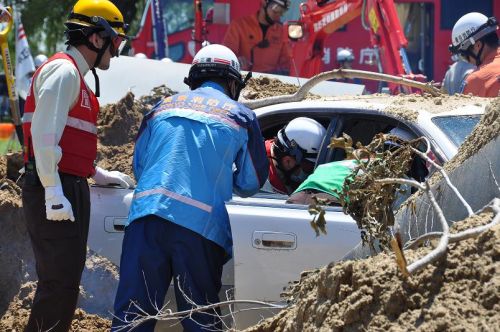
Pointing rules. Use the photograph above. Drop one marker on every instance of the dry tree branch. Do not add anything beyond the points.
(366, 195)
(442, 246)
(494, 206)
(340, 74)
(494, 178)
(445, 176)
(167, 315)
(444, 236)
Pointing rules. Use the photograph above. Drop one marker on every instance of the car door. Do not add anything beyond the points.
(274, 243)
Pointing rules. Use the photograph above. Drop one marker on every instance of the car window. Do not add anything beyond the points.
(360, 129)
(457, 128)
(179, 15)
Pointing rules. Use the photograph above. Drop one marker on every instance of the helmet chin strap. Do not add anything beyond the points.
(100, 52)
(477, 56)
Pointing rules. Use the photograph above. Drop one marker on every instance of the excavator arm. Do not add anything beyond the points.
(320, 18)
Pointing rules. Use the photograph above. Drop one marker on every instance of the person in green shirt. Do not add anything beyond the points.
(328, 179)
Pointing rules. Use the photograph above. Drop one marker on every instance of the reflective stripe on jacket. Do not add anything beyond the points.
(485, 81)
(193, 150)
(245, 33)
(79, 139)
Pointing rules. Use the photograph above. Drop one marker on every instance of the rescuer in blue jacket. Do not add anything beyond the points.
(192, 152)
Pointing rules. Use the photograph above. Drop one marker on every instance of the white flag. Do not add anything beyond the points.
(24, 61)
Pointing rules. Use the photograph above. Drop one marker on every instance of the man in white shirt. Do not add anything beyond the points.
(60, 131)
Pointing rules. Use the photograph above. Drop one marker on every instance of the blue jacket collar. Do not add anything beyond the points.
(213, 85)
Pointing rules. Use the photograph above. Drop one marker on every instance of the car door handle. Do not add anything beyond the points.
(114, 224)
(274, 240)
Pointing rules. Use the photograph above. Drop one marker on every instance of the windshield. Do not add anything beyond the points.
(457, 128)
(179, 14)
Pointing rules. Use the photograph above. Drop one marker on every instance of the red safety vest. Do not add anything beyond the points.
(79, 138)
(274, 178)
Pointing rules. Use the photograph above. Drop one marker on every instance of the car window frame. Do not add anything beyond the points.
(337, 119)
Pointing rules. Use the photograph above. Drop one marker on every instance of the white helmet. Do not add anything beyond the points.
(39, 60)
(301, 138)
(469, 29)
(167, 60)
(215, 61)
(344, 54)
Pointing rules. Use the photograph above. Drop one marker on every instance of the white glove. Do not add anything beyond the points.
(104, 178)
(57, 206)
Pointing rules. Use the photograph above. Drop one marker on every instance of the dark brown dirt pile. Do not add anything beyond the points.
(459, 293)
(10, 166)
(16, 317)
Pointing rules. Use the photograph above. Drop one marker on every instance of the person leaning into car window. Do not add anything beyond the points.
(193, 150)
(328, 179)
(292, 154)
(258, 40)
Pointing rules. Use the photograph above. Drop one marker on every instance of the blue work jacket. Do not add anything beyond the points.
(192, 151)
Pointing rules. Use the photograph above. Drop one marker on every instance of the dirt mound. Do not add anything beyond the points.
(356, 295)
(99, 279)
(371, 294)
(17, 315)
(10, 166)
(118, 125)
(263, 86)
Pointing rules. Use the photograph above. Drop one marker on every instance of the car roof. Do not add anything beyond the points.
(409, 107)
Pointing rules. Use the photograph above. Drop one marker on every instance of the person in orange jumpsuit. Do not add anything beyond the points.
(475, 39)
(259, 41)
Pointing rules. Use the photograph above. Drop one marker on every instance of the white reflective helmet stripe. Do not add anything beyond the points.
(71, 122)
(215, 53)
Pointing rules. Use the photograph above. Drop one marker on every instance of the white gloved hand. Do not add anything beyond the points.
(57, 206)
(104, 178)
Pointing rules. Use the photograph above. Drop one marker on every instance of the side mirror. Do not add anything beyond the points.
(295, 31)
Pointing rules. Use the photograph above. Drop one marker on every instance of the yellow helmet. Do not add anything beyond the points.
(86, 13)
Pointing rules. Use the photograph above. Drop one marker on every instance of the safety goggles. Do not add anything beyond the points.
(293, 149)
(117, 45)
(118, 41)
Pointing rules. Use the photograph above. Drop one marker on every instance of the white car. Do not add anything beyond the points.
(273, 241)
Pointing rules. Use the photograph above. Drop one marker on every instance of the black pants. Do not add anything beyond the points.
(60, 248)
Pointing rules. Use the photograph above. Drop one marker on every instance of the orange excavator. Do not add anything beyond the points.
(320, 18)
(164, 34)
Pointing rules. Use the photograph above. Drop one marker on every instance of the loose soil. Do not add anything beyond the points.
(461, 292)
(458, 293)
